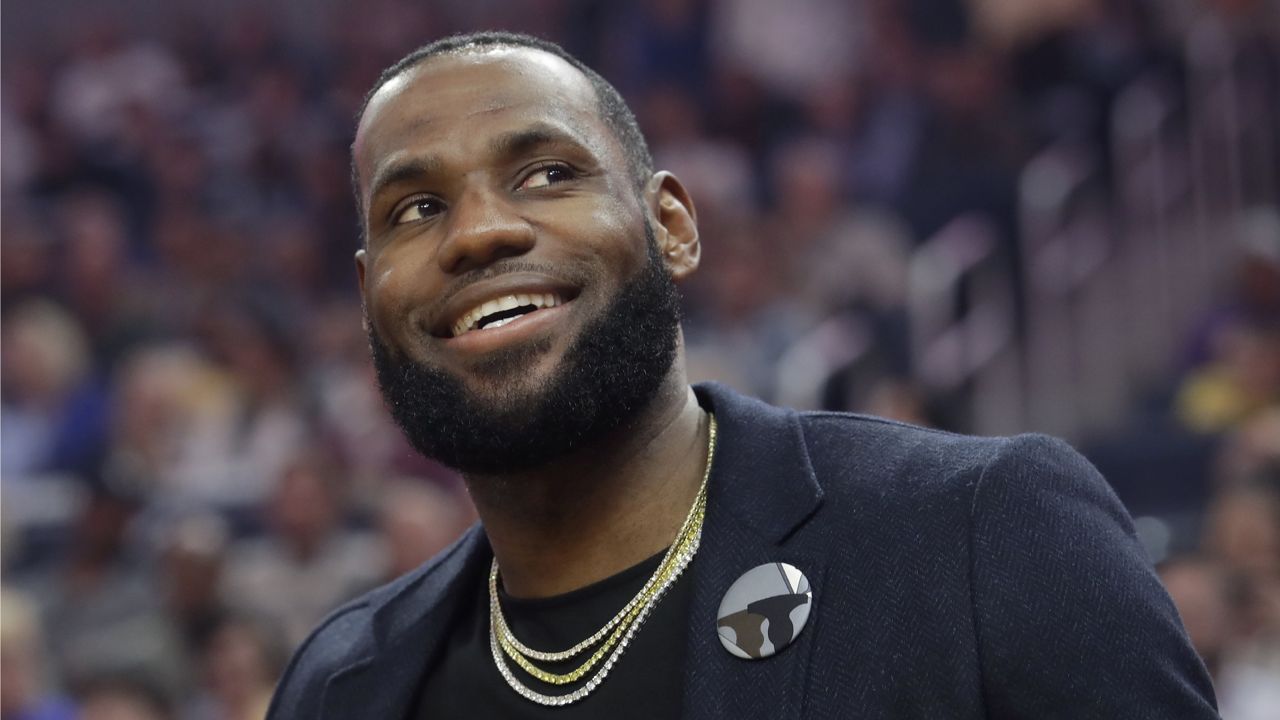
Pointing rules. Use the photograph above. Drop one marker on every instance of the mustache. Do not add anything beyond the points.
(501, 267)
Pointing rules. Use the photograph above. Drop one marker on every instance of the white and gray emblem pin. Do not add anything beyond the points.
(764, 610)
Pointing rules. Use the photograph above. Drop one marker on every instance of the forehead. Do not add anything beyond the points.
(455, 97)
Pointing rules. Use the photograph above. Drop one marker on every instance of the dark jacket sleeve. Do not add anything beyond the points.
(1072, 621)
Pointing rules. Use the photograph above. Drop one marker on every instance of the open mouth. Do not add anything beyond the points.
(500, 311)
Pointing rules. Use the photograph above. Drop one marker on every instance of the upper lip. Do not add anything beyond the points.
(473, 295)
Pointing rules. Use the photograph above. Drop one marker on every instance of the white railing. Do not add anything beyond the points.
(961, 315)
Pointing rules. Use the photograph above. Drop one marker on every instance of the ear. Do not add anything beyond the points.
(676, 226)
(360, 261)
(360, 270)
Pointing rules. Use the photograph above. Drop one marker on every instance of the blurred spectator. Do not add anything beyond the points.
(418, 519)
(716, 172)
(124, 697)
(1251, 453)
(102, 614)
(101, 281)
(746, 325)
(350, 411)
(659, 43)
(1201, 591)
(839, 254)
(1241, 381)
(1013, 22)
(53, 415)
(26, 257)
(1243, 535)
(25, 693)
(307, 563)
(242, 660)
(901, 401)
(256, 421)
(108, 77)
(792, 49)
(168, 398)
(192, 559)
(963, 164)
(1253, 294)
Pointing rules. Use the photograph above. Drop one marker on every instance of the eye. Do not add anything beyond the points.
(418, 209)
(547, 174)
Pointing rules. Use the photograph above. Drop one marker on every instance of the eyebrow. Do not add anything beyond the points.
(401, 171)
(520, 142)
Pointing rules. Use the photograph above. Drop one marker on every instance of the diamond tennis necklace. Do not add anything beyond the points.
(612, 639)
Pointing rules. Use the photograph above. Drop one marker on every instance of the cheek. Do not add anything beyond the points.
(617, 239)
(396, 292)
(608, 218)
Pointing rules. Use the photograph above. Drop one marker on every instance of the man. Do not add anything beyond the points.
(518, 280)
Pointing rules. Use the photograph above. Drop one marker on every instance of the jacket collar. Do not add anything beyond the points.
(761, 472)
(762, 492)
(410, 619)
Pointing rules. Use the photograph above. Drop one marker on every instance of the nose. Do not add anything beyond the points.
(483, 228)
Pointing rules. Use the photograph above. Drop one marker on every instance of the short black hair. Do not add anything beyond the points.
(612, 108)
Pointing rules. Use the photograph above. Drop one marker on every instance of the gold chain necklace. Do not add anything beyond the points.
(615, 634)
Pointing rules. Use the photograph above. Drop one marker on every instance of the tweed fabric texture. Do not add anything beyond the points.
(953, 577)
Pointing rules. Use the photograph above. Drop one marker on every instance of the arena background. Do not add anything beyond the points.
(991, 216)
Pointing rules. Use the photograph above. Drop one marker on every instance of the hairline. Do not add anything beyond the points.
(619, 120)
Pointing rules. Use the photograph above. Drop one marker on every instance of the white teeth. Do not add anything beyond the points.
(469, 319)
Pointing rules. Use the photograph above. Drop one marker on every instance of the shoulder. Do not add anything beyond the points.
(996, 494)
(1065, 607)
(894, 441)
(864, 457)
(850, 450)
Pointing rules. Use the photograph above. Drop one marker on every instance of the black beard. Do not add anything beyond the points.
(611, 372)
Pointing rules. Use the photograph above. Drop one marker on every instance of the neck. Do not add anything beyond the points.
(602, 509)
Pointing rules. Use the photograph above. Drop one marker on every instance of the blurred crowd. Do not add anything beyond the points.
(196, 465)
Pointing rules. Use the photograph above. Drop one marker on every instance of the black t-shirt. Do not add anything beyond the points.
(646, 681)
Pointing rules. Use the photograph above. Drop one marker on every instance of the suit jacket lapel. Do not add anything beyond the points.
(762, 492)
(408, 629)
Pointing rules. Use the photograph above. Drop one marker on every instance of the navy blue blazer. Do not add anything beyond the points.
(953, 577)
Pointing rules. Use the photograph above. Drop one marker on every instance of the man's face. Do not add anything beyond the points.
(517, 306)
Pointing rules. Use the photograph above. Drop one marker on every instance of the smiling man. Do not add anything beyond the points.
(652, 550)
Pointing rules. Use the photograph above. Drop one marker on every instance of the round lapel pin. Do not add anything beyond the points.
(764, 610)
